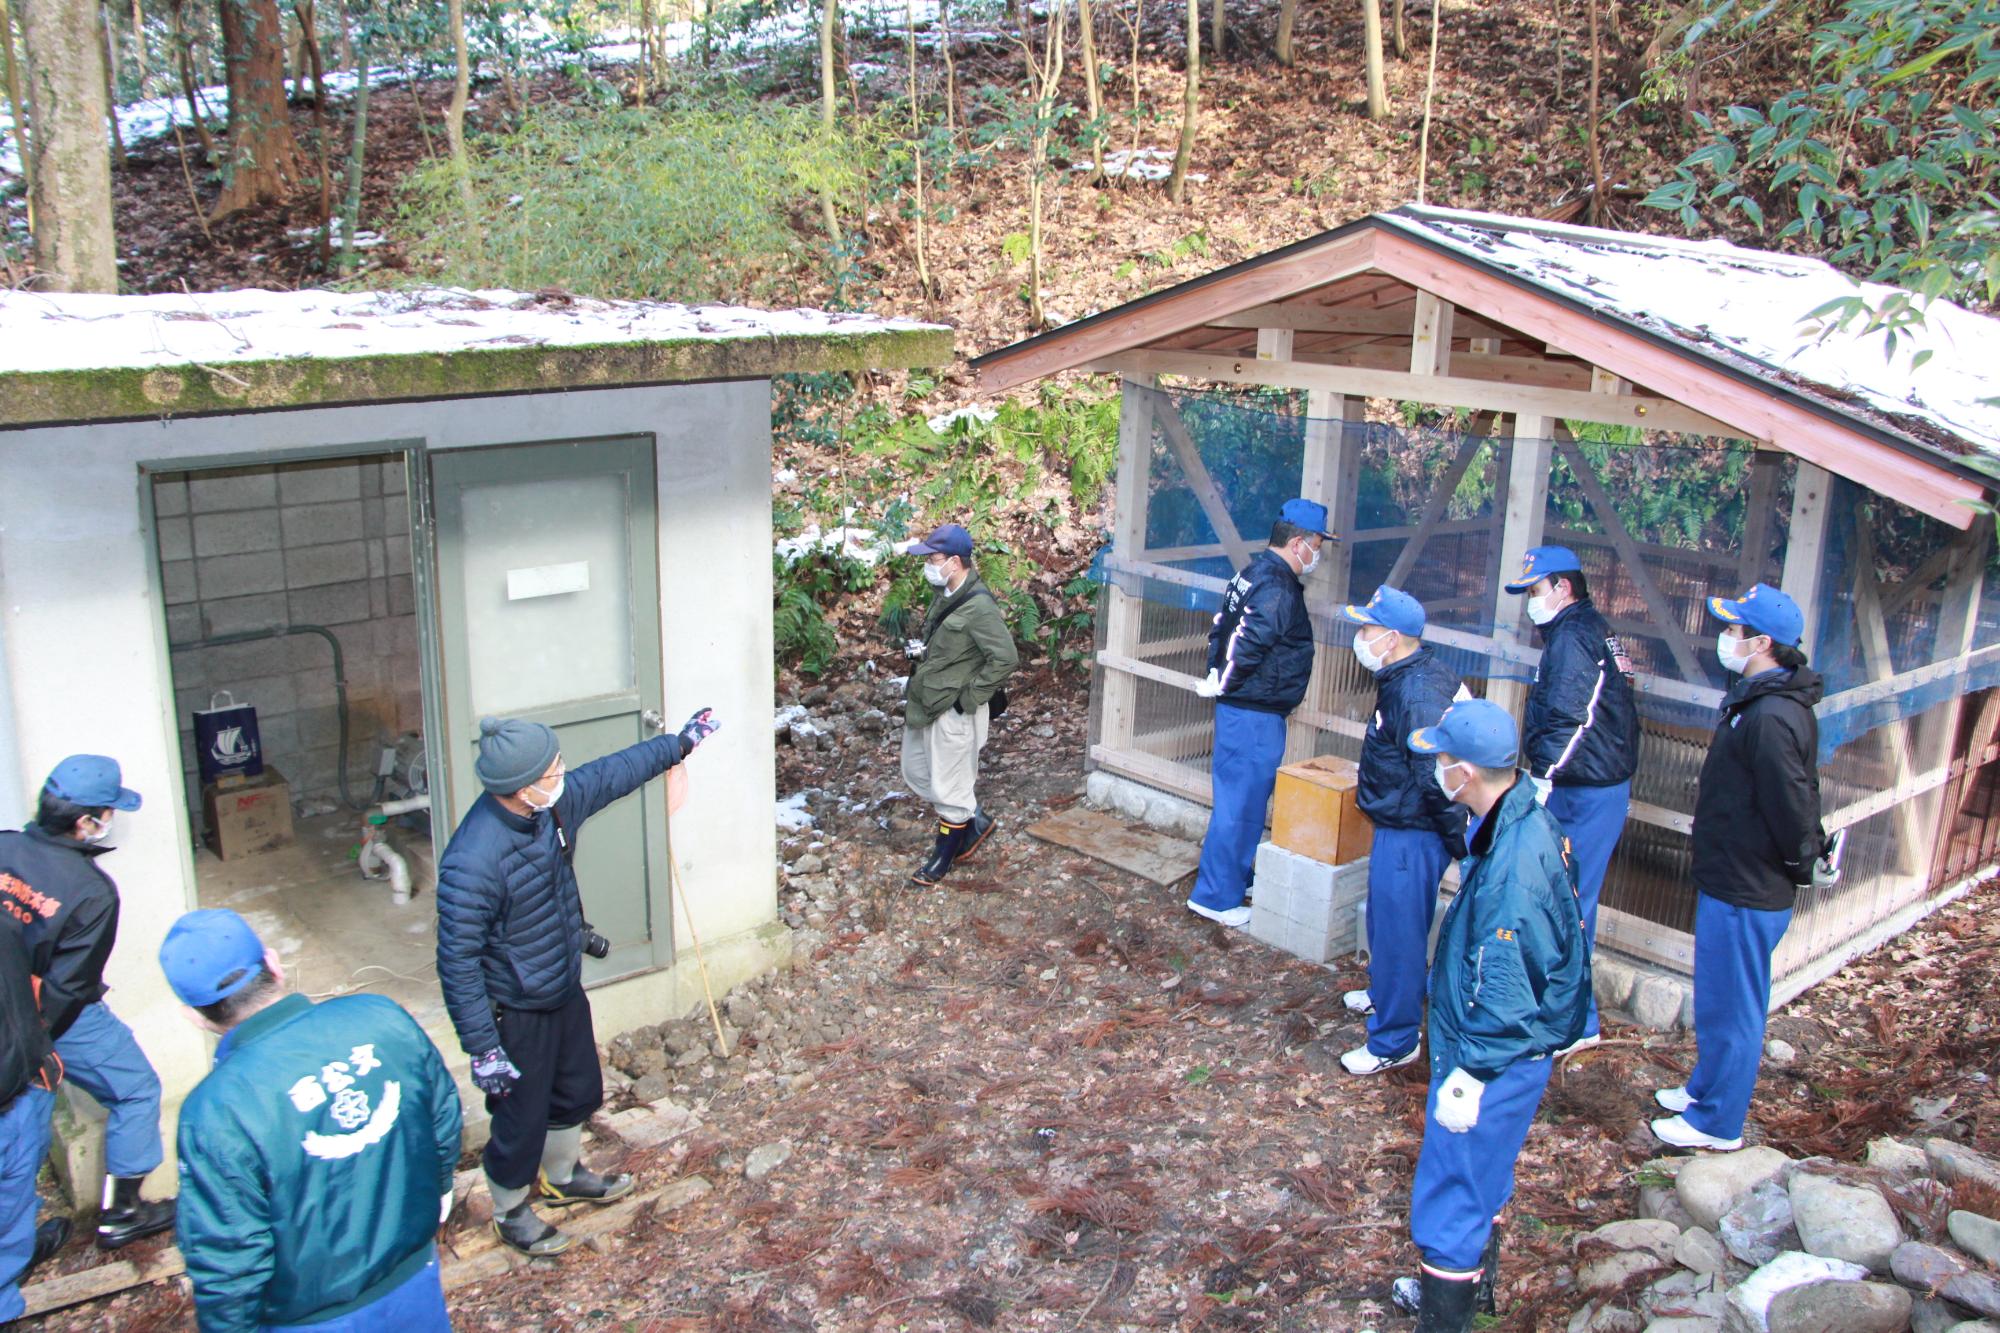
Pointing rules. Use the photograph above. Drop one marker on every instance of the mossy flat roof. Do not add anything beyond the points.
(71, 359)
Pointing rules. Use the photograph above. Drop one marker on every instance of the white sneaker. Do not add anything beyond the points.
(1584, 1044)
(1234, 917)
(1357, 1002)
(1680, 1134)
(1674, 1099)
(1361, 1060)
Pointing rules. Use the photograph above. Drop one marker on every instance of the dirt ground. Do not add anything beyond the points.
(1045, 1096)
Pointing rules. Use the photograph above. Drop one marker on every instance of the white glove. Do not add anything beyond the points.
(1825, 874)
(1211, 685)
(914, 647)
(1458, 1101)
(1543, 787)
(444, 1208)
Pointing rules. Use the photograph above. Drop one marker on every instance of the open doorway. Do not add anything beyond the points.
(292, 625)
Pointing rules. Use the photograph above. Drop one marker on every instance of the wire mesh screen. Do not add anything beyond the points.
(1906, 617)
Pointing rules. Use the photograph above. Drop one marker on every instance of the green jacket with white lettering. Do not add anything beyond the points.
(313, 1161)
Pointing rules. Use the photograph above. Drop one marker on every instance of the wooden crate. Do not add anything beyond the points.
(1314, 811)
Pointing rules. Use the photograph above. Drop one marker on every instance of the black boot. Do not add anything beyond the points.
(50, 1236)
(528, 1233)
(125, 1217)
(982, 824)
(1489, 1272)
(950, 841)
(584, 1186)
(1441, 1304)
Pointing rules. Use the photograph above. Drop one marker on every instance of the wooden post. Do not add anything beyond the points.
(1430, 336)
(1871, 633)
(1805, 547)
(1958, 624)
(1761, 507)
(1122, 609)
(1331, 462)
(1527, 507)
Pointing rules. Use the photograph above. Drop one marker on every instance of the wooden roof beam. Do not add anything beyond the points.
(1387, 321)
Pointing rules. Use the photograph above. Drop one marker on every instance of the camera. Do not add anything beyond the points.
(594, 944)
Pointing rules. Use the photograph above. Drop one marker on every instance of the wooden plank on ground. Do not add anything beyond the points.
(1153, 856)
(90, 1284)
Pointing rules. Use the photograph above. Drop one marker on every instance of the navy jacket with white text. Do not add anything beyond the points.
(1262, 642)
(1581, 727)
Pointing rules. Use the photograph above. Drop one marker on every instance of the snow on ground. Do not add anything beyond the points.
(974, 412)
(1146, 164)
(847, 540)
(53, 332)
(793, 817)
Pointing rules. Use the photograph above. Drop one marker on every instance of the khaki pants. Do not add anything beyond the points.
(941, 762)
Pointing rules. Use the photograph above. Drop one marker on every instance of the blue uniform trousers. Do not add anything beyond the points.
(1732, 999)
(24, 1142)
(1594, 819)
(1464, 1180)
(1404, 869)
(416, 1305)
(1249, 745)
(100, 1056)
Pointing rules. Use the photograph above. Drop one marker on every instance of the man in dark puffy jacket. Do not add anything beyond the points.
(29, 1072)
(1417, 828)
(66, 908)
(1260, 656)
(1580, 739)
(316, 1156)
(511, 936)
(1757, 842)
(1510, 987)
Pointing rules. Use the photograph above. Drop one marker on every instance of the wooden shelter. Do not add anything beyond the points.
(1862, 466)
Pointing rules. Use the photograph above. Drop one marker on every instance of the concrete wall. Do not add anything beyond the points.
(84, 660)
(324, 543)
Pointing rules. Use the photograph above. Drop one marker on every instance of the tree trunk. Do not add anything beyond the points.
(261, 164)
(76, 249)
(917, 154)
(829, 19)
(1190, 105)
(309, 35)
(1288, 17)
(184, 57)
(1093, 90)
(1218, 28)
(454, 116)
(12, 59)
(1046, 80)
(1371, 45)
(1402, 38)
(356, 155)
(108, 48)
(1596, 150)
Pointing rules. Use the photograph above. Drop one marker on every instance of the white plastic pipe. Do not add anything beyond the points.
(390, 809)
(377, 853)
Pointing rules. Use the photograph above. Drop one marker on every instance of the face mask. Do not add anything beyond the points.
(934, 575)
(103, 831)
(1311, 561)
(1726, 646)
(554, 795)
(1444, 785)
(1539, 610)
(1370, 659)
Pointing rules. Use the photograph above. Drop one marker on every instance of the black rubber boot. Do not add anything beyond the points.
(584, 1186)
(528, 1233)
(50, 1237)
(1445, 1304)
(950, 841)
(982, 824)
(1489, 1272)
(125, 1217)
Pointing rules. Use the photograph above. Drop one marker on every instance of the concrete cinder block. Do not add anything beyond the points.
(378, 559)
(394, 480)
(220, 576)
(318, 524)
(396, 555)
(334, 604)
(183, 623)
(236, 532)
(236, 614)
(242, 661)
(371, 481)
(1308, 908)
(395, 511)
(269, 695)
(312, 566)
(402, 596)
(318, 728)
(244, 488)
(315, 483)
(176, 538)
(170, 497)
(177, 582)
(314, 689)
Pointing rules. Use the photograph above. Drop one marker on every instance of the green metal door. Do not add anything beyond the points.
(549, 609)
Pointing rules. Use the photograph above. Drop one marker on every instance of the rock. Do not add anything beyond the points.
(1611, 981)
(1954, 1162)
(1844, 1221)
(1780, 1052)
(809, 864)
(1887, 1154)
(691, 1057)
(1930, 1315)
(766, 1158)
(1660, 1203)
(1656, 1003)
(1975, 1326)
(1977, 1291)
(874, 722)
(1709, 1185)
(1684, 1295)
(741, 1010)
(1750, 1300)
(1684, 1324)
(1604, 1319)
(1655, 1237)
(1840, 1307)
(1977, 1236)
(1759, 1227)
(1698, 1250)
(651, 1087)
(1609, 1272)
(1924, 1267)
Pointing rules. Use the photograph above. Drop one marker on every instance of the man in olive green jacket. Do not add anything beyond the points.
(966, 653)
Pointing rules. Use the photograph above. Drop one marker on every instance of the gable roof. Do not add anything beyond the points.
(1716, 328)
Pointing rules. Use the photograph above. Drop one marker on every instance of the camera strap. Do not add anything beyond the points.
(567, 848)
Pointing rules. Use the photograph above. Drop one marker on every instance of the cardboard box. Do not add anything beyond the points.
(250, 818)
(1313, 811)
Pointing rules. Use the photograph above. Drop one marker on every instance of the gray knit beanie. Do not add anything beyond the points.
(513, 753)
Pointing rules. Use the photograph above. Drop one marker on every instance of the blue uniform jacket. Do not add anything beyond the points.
(1262, 642)
(510, 917)
(313, 1158)
(1398, 789)
(1582, 728)
(1511, 977)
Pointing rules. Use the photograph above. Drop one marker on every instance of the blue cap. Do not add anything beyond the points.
(1391, 608)
(91, 781)
(1307, 514)
(210, 955)
(950, 539)
(1477, 731)
(1766, 610)
(1542, 561)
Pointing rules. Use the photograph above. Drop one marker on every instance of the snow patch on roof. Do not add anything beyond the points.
(44, 332)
